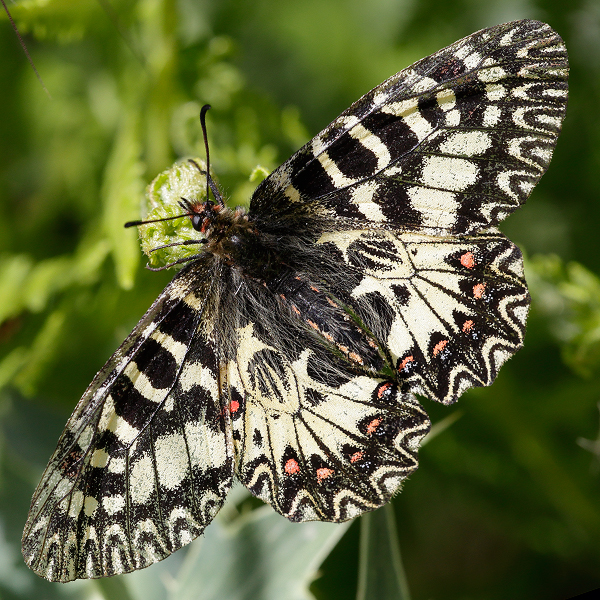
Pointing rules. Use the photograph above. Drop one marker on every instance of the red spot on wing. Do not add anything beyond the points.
(439, 347)
(403, 364)
(383, 389)
(372, 426)
(324, 473)
(295, 309)
(292, 467)
(356, 456)
(234, 406)
(467, 326)
(478, 290)
(467, 260)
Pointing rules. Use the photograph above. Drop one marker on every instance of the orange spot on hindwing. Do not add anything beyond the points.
(291, 467)
(439, 347)
(383, 390)
(372, 426)
(467, 326)
(467, 260)
(405, 362)
(356, 456)
(324, 473)
(478, 290)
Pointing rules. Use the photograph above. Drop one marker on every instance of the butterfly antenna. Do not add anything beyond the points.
(25, 50)
(184, 203)
(203, 112)
(136, 223)
(211, 182)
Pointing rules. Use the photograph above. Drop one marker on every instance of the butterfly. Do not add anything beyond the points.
(288, 350)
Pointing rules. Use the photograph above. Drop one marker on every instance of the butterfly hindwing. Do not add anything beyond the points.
(452, 144)
(450, 311)
(146, 460)
(313, 438)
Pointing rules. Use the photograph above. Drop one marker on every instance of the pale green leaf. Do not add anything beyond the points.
(381, 573)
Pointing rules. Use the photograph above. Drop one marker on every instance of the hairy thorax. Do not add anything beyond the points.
(233, 237)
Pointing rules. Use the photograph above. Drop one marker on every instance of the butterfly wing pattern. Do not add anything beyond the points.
(368, 268)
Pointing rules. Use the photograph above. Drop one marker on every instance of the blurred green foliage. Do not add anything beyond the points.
(506, 501)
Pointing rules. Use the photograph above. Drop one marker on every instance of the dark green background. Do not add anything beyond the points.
(505, 503)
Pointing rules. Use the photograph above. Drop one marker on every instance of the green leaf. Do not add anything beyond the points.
(380, 572)
(261, 556)
(182, 180)
(122, 193)
(112, 588)
(258, 556)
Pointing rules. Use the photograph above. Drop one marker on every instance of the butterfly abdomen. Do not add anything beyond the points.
(329, 319)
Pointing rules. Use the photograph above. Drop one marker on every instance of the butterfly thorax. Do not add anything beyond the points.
(232, 236)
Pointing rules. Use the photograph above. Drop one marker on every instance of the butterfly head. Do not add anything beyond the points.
(202, 214)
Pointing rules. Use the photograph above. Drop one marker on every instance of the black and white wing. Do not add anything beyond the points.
(409, 183)
(450, 311)
(146, 459)
(450, 145)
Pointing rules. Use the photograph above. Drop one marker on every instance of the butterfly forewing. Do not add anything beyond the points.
(287, 353)
(452, 144)
(146, 460)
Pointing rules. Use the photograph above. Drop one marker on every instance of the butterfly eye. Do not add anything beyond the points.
(197, 221)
